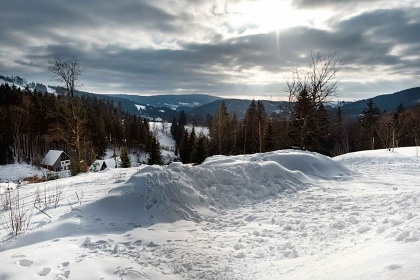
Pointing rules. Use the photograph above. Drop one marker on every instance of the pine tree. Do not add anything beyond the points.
(186, 148)
(125, 159)
(269, 144)
(200, 151)
(219, 131)
(155, 152)
(303, 125)
(250, 129)
(322, 142)
(236, 129)
(339, 135)
(368, 120)
(261, 126)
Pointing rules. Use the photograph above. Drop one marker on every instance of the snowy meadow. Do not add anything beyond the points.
(278, 215)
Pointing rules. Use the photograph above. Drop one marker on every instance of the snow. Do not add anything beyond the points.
(19, 172)
(278, 215)
(51, 157)
(140, 107)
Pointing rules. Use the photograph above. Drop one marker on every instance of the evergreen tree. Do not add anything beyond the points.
(219, 131)
(368, 121)
(155, 152)
(261, 126)
(200, 151)
(339, 135)
(125, 159)
(236, 129)
(186, 148)
(303, 122)
(251, 129)
(269, 143)
(322, 142)
(177, 130)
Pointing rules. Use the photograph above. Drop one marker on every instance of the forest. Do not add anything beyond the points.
(83, 127)
(305, 127)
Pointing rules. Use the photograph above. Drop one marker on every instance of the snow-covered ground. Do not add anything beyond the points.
(278, 215)
(18, 172)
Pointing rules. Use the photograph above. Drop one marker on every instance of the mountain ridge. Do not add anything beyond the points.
(199, 106)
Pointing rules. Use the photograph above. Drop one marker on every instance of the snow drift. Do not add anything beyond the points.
(279, 215)
(166, 194)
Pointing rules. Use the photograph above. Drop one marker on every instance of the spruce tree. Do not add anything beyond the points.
(302, 127)
(269, 143)
(219, 131)
(125, 159)
(155, 152)
(185, 148)
(200, 151)
(339, 135)
(369, 120)
(250, 129)
(322, 142)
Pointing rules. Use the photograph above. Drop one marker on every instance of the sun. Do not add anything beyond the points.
(269, 15)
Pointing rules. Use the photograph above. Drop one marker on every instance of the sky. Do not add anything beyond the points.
(228, 48)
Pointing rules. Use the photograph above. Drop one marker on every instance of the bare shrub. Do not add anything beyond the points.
(49, 198)
(17, 217)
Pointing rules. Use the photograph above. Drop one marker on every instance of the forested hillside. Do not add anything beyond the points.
(84, 127)
(309, 127)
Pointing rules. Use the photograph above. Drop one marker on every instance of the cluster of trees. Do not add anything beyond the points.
(84, 127)
(231, 136)
(189, 146)
(305, 124)
(312, 128)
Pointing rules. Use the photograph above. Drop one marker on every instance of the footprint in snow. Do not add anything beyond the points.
(17, 256)
(44, 272)
(62, 276)
(393, 267)
(63, 265)
(25, 262)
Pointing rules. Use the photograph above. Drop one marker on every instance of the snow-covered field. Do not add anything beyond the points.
(278, 215)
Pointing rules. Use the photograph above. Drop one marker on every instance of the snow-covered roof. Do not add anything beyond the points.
(110, 163)
(51, 157)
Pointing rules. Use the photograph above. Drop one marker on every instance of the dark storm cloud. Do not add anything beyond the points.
(20, 19)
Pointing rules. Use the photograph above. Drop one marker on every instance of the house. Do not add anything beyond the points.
(98, 165)
(101, 164)
(56, 161)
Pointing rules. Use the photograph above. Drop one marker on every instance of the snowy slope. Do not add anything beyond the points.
(278, 215)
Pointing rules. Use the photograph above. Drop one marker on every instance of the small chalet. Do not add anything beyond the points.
(56, 161)
(101, 164)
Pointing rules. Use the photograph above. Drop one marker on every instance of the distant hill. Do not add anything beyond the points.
(387, 102)
(239, 106)
(22, 83)
(174, 102)
(198, 106)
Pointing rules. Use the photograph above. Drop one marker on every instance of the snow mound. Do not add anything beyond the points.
(166, 194)
(382, 161)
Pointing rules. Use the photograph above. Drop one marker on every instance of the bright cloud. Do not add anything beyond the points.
(240, 48)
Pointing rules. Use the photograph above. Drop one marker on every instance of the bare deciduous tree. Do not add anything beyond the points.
(319, 79)
(72, 127)
(308, 90)
(66, 72)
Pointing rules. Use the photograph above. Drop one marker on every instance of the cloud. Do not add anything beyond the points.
(191, 46)
(322, 3)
